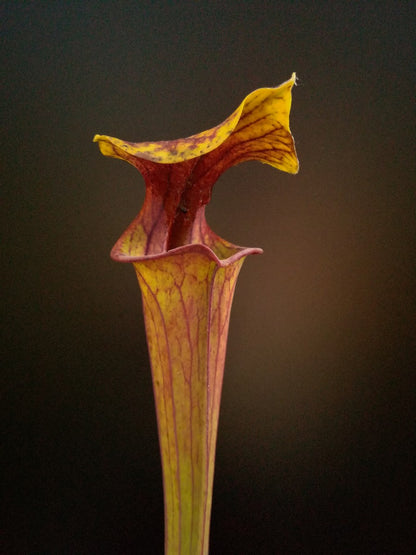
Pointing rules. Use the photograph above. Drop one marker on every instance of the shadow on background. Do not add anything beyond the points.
(317, 419)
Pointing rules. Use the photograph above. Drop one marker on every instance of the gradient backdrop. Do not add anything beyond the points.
(317, 421)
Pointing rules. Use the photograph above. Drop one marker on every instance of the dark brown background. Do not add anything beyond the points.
(317, 422)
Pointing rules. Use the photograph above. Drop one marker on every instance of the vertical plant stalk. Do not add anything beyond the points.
(187, 301)
(187, 275)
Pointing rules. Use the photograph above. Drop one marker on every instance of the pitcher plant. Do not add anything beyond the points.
(187, 276)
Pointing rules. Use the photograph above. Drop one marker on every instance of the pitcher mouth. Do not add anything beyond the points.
(196, 248)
